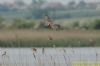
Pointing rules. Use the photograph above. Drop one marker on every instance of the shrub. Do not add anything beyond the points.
(1, 22)
(1, 19)
(85, 25)
(75, 24)
(96, 24)
(23, 24)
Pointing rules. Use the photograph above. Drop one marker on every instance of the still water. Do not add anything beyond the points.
(47, 56)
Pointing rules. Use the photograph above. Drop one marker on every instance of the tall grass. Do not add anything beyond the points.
(41, 38)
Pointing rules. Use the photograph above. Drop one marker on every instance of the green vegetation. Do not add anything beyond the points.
(75, 33)
(19, 23)
(44, 38)
(96, 24)
(23, 24)
(87, 24)
(71, 42)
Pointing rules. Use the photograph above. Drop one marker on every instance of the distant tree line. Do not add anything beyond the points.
(19, 23)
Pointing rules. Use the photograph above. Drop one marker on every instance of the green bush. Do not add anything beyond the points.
(96, 24)
(1, 19)
(85, 25)
(1, 22)
(23, 24)
(75, 24)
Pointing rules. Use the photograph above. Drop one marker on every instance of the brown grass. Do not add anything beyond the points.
(44, 34)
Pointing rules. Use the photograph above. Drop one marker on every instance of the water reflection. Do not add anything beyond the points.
(47, 56)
